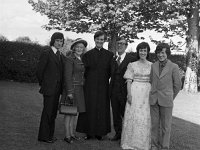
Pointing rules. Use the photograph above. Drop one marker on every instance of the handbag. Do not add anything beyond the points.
(67, 106)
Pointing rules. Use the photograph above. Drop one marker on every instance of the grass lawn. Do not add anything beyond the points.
(20, 110)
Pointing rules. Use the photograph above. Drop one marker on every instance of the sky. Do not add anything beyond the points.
(18, 19)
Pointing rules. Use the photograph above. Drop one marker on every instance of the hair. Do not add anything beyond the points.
(56, 35)
(100, 33)
(143, 45)
(160, 47)
(122, 38)
(73, 48)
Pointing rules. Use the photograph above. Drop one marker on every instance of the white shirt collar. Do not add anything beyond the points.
(54, 49)
(122, 56)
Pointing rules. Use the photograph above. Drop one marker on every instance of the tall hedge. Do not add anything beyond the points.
(18, 61)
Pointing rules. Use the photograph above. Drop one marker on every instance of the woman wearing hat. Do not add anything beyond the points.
(74, 79)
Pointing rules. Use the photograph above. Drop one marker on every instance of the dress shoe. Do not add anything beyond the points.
(68, 140)
(99, 137)
(46, 141)
(116, 138)
(75, 138)
(54, 139)
(165, 148)
(88, 137)
(154, 148)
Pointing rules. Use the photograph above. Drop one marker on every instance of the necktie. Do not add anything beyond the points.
(58, 55)
(161, 66)
(118, 60)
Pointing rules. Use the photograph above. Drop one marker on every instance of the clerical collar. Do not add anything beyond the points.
(98, 48)
(54, 49)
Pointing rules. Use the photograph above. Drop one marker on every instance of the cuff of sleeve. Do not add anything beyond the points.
(70, 91)
(129, 80)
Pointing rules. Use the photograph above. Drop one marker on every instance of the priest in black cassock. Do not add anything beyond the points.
(95, 122)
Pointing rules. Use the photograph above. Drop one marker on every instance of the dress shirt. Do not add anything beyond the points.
(122, 56)
(54, 49)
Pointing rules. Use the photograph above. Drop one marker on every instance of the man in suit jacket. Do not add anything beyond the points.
(50, 77)
(118, 87)
(166, 83)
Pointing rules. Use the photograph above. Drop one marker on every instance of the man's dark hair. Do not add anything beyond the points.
(56, 35)
(122, 38)
(160, 47)
(100, 33)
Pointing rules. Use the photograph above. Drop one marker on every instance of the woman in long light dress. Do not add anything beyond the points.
(137, 121)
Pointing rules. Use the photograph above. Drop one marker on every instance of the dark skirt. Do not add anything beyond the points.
(78, 98)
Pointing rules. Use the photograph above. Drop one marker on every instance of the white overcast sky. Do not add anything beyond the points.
(18, 19)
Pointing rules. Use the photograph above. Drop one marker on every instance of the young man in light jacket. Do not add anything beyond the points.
(166, 83)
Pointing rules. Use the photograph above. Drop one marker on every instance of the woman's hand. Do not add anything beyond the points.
(129, 99)
(70, 96)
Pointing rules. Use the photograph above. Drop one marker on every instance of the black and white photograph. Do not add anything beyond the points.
(100, 75)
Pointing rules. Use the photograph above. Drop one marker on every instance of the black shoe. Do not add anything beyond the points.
(54, 139)
(99, 137)
(46, 141)
(68, 140)
(116, 138)
(76, 138)
(88, 137)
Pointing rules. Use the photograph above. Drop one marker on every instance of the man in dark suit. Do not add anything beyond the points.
(50, 76)
(118, 87)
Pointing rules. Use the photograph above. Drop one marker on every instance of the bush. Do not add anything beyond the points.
(18, 60)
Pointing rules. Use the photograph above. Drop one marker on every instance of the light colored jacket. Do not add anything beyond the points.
(164, 87)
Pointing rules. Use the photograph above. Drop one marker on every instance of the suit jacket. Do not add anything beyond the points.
(50, 72)
(121, 69)
(164, 87)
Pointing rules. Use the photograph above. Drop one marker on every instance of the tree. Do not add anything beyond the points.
(3, 38)
(24, 39)
(179, 17)
(128, 17)
(112, 16)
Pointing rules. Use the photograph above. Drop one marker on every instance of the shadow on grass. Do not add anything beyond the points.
(20, 110)
(185, 135)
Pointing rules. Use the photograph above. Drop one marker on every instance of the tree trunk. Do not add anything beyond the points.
(112, 43)
(190, 84)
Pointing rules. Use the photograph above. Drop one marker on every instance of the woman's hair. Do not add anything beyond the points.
(160, 47)
(77, 41)
(143, 45)
(73, 48)
(100, 33)
(56, 35)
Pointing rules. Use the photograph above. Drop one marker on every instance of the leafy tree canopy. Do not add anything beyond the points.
(3, 38)
(24, 39)
(121, 17)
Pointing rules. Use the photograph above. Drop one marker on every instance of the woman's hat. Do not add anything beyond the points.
(79, 40)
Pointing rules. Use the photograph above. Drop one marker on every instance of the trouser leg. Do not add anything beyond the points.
(116, 115)
(166, 120)
(155, 116)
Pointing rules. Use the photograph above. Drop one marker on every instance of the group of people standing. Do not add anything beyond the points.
(141, 93)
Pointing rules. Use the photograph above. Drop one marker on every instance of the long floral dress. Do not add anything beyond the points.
(137, 122)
